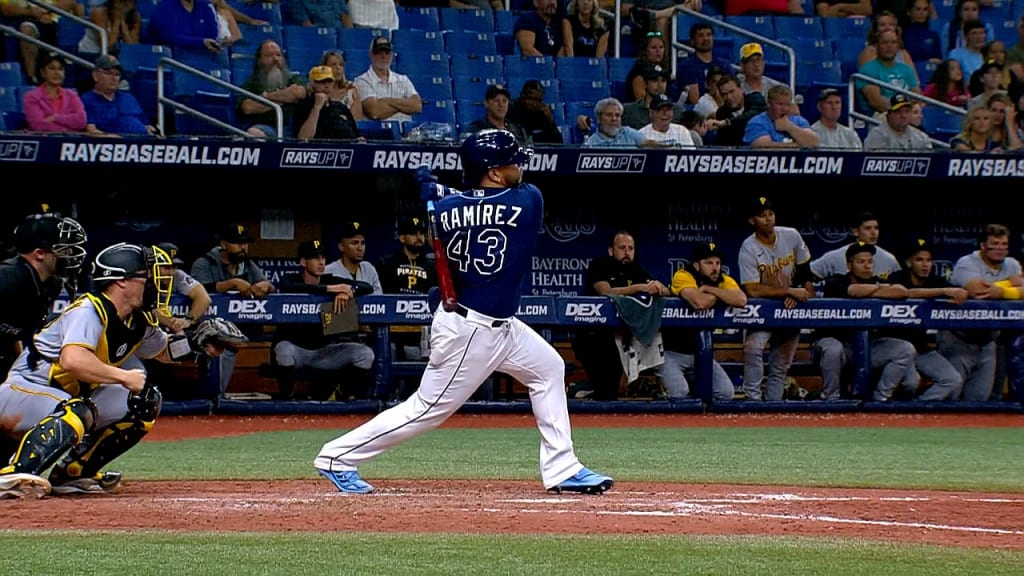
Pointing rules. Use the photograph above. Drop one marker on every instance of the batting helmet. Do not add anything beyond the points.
(488, 149)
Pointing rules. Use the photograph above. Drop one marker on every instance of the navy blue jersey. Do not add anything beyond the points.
(490, 235)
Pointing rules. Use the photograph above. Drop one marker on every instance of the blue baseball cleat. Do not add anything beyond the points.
(586, 481)
(347, 481)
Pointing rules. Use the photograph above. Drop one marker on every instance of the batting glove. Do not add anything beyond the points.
(430, 190)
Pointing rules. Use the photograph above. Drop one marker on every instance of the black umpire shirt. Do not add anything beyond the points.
(25, 303)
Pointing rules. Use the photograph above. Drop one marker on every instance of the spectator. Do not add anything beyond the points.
(343, 90)
(987, 274)
(1004, 122)
(611, 133)
(896, 133)
(994, 51)
(1015, 53)
(326, 14)
(917, 115)
(832, 134)
(893, 357)
(990, 75)
(50, 107)
(842, 8)
(865, 230)
(738, 7)
(651, 53)
(703, 285)
(694, 76)
(976, 133)
(947, 84)
(186, 285)
(120, 19)
(776, 127)
(387, 95)
(321, 118)
(112, 111)
(656, 15)
(586, 28)
(637, 114)
(227, 268)
(539, 32)
(920, 40)
(752, 66)
(340, 363)
(408, 270)
(536, 117)
(969, 55)
(496, 101)
(953, 34)
(696, 124)
(228, 18)
(730, 122)
(922, 282)
(378, 14)
(31, 20)
(710, 98)
(185, 26)
(885, 21)
(351, 263)
(618, 273)
(874, 98)
(272, 80)
(662, 129)
(774, 262)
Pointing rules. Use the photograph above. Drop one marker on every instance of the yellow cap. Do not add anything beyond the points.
(751, 49)
(318, 73)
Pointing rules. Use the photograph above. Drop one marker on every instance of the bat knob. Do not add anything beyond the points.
(450, 305)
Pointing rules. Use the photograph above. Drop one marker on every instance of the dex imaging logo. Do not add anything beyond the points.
(250, 309)
(18, 151)
(316, 158)
(585, 313)
(901, 313)
(895, 166)
(611, 163)
(749, 314)
(413, 309)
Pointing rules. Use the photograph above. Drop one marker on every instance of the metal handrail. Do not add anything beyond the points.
(104, 38)
(853, 114)
(32, 40)
(163, 100)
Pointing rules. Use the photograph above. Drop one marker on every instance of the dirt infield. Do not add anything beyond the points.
(945, 518)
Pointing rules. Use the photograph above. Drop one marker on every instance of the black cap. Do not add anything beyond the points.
(46, 57)
(661, 101)
(898, 101)
(172, 251)
(653, 72)
(829, 92)
(494, 89)
(857, 248)
(380, 44)
(350, 229)
(411, 225)
(990, 65)
(706, 250)
(715, 70)
(106, 62)
(37, 231)
(759, 205)
(917, 245)
(311, 249)
(532, 85)
(235, 234)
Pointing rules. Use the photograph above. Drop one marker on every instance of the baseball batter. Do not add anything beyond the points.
(489, 233)
(774, 263)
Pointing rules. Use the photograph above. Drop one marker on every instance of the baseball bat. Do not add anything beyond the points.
(444, 274)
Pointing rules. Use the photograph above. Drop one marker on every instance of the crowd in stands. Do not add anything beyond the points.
(395, 65)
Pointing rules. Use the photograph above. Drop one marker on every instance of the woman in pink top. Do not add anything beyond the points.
(51, 107)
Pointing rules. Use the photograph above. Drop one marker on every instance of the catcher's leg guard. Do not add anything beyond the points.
(103, 446)
(41, 446)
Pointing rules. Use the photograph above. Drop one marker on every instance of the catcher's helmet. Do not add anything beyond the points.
(123, 260)
(51, 231)
(488, 149)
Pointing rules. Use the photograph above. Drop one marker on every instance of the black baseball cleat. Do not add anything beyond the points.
(586, 481)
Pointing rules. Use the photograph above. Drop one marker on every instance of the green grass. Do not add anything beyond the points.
(975, 459)
(985, 459)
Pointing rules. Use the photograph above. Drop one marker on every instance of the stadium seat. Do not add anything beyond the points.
(358, 39)
(466, 20)
(579, 108)
(539, 67)
(304, 46)
(219, 105)
(846, 50)
(241, 68)
(925, 69)
(10, 74)
(552, 92)
(473, 88)
(793, 27)
(14, 120)
(433, 88)
(762, 25)
(10, 99)
(1006, 30)
(581, 69)
(417, 40)
(253, 36)
(467, 112)
(941, 124)
(584, 89)
(465, 42)
(504, 21)
(418, 18)
(144, 88)
(812, 50)
(837, 28)
(422, 64)
(69, 33)
(270, 12)
(134, 56)
(479, 65)
(828, 72)
(505, 43)
(185, 84)
(146, 8)
(380, 129)
(442, 111)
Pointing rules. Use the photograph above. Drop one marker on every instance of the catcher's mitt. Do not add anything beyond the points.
(217, 332)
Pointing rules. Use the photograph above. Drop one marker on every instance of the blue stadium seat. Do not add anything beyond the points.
(941, 124)
(466, 19)
(473, 88)
(422, 64)
(539, 67)
(144, 88)
(619, 67)
(241, 68)
(467, 112)
(584, 89)
(253, 36)
(761, 25)
(577, 108)
(504, 21)
(464, 42)
(434, 88)
(437, 111)
(925, 69)
(358, 39)
(727, 48)
(304, 46)
(10, 99)
(792, 27)
(219, 105)
(356, 62)
(14, 120)
(417, 40)
(836, 28)
(133, 56)
(505, 43)
(812, 49)
(10, 74)
(417, 18)
(552, 91)
(581, 69)
(479, 65)
(387, 130)
(69, 33)
(146, 8)
(202, 59)
(1006, 30)
(269, 12)
(846, 50)
(185, 85)
(828, 71)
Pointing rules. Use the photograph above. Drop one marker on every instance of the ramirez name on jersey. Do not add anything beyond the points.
(480, 215)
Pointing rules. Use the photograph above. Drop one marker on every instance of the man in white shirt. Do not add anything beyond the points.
(661, 129)
(387, 95)
(830, 132)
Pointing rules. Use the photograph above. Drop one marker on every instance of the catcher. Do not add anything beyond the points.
(77, 397)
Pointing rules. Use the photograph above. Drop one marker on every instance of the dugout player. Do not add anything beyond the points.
(489, 234)
(408, 270)
(78, 398)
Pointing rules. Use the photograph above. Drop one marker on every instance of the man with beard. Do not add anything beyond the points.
(730, 121)
(610, 131)
(227, 268)
(614, 274)
(272, 80)
(334, 360)
(703, 285)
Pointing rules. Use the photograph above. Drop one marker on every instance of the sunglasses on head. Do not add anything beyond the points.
(654, 34)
